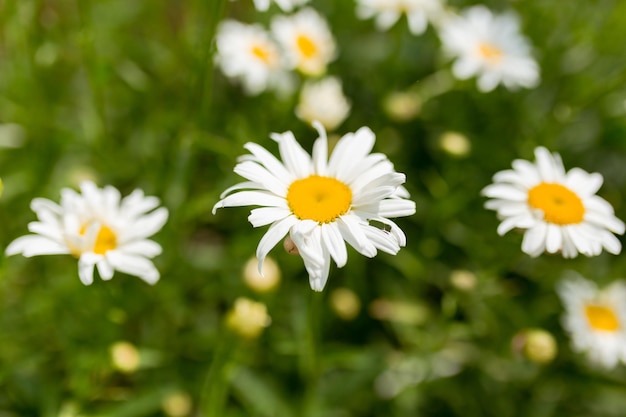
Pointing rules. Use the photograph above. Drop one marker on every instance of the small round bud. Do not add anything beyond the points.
(463, 280)
(455, 144)
(402, 106)
(290, 246)
(177, 404)
(248, 318)
(124, 356)
(345, 303)
(261, 283)
(537, 345)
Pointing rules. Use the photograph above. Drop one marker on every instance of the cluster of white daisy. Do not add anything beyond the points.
(483, 44)
(266, 60)
(320, 203)
(560, 212)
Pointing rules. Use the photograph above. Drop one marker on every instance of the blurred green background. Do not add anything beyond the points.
(125, 93)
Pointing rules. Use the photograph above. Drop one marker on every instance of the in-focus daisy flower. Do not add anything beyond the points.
(100, 229)
(387, 12)
(490, 47)
(322, 202)
(307, 41)
(247, 54)
(323, 101)
(286, 5)
(558, 210)
(595, 319)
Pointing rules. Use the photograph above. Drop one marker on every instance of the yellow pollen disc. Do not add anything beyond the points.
(306, 46)
(559, 204)
(601, 318)
(262, 53)
(490, 52)
(105, 241)
(318, 198)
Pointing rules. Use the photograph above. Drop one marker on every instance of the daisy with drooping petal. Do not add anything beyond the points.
(322, 202)
(559, 210)
(307, 41)
(490, 47)
(286, 5)
(388, 12)
(247, 53)
(323, 101)
(100, 229)
(595, 319)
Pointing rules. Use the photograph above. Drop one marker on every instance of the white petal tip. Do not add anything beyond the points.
(152, 279)
(217, 205)
(316, 284)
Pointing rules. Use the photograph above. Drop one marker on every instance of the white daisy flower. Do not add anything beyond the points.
(98, 229)
(595, 319)
(559, 210)
(322, 202)
(388, 12)
(489, 46)
(246, 53)
(286, 5)
(307, 41)
(323, 101)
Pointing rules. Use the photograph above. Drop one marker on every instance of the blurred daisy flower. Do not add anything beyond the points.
(246, 53)
(388, 12)
(324, 101)
(286, 5)
(98, 229)
(489, 46)
(322, 202)
(559, 210)
(595, 319)
(307, 41)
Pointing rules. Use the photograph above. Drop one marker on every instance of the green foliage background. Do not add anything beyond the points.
(125, 93)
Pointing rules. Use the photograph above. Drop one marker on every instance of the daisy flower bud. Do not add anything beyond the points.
(248, 318)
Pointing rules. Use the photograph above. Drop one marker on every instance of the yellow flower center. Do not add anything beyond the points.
(262, 53)
(106, 239)
(307, 47)
(601, 318)
(318, 198)
(559, 204)
(490, 52)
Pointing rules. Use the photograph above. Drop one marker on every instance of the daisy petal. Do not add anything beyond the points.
(331, 238)
(273, 235)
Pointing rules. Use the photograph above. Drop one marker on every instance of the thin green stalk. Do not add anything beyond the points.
(217, 382)
(202, 86)
(434, 85)
(200, 90)
(96, 123)
(310, 366)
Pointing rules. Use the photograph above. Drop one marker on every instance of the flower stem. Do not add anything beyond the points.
(434, 85)
(215, 390)
(309, 358)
